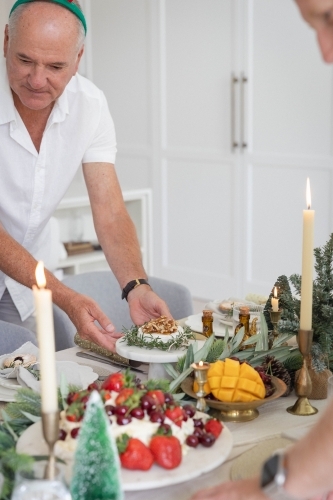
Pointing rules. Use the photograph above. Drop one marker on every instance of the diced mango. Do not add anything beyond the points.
(231, 381)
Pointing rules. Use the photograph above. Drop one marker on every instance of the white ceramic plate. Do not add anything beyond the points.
(198, 461)
(82, 375)
(151, 355)
(10, 383)
(195, 323)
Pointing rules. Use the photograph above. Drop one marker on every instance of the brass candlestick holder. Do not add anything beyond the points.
(303, 386)
(200, 373)
(50, 424)
(275, 318)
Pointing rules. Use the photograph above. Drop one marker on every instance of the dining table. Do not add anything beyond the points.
(273, 425)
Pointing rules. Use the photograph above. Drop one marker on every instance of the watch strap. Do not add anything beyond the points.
(273, 477)
(131, 285)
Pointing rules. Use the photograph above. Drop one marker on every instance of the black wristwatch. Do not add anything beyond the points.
(273, 477)
(133, 284)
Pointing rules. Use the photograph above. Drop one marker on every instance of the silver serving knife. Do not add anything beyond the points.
(108, 361)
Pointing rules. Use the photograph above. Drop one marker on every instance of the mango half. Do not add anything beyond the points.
(231, 381)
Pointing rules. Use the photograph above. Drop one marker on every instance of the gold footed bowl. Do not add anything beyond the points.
(237, 412)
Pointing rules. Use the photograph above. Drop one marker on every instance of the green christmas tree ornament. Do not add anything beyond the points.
(96, 472)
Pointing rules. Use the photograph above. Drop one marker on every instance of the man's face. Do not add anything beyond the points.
(41, 55)
(319, 14)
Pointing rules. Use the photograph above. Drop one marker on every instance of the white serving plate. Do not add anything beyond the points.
(198, 461)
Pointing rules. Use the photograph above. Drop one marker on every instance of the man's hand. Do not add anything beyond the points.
(83, 312)
(239, 490)
(145, 305)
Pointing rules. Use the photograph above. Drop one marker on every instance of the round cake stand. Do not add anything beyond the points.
(154, 357)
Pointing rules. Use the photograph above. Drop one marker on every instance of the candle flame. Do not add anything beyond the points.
(40, 275)
(275, 292)
(308, 193)
(200, 363)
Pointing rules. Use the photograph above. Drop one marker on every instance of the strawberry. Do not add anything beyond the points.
(175, 413)
(123, 395)
(214, 427)
(134, 454)
(166, 450)
(114, 382)
(117, 381)
(158, 396)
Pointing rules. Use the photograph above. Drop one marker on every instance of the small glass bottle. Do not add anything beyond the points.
(244, 320)
(207, 323)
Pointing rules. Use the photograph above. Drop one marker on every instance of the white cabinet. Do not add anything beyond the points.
(75, 219)
(227, 221)
(233, 216)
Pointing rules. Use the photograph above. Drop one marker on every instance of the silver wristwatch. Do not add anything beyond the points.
(273, 477)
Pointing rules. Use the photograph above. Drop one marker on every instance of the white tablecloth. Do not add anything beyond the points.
(273, 420)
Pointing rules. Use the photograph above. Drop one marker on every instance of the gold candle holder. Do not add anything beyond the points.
(200, 373)
(50, 424)
(275, 318)
(303, 386)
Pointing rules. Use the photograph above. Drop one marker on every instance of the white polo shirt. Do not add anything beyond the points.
(79, 130)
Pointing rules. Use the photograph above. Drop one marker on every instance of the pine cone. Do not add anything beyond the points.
(274, 367)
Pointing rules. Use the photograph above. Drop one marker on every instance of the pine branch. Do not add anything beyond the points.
(215, 351)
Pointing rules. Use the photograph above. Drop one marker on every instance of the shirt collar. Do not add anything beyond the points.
(7, 108)
(60, 109)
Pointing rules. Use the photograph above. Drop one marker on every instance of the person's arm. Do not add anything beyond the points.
(19, 264)
(117, 236)
(309, 469)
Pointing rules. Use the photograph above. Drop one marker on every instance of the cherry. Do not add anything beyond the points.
(62, 435)
(198, 432)
(121, 410)
(137, 413)
(207, 439)
(189, 410)
(148, 403)
(110, 410)
(157, 416)
(93, 387)
(168, 398)
(198, 423)
(124, 419)
(75, 432)
(72, 396)
(165, 428)
(192, 441)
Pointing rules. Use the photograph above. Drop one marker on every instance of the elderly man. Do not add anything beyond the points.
(305, 470)
(52, 121)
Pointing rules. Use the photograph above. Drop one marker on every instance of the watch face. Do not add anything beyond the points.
(269, 470)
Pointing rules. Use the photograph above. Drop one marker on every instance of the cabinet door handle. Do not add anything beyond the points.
(234, 82)
(243, 81)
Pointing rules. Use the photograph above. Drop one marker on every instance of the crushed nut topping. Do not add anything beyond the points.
(162, 325)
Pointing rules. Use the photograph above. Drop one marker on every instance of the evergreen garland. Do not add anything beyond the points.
(322, 312)
(289, 321)
(10, 462)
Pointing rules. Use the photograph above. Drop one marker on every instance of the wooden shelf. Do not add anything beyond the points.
(139, 205)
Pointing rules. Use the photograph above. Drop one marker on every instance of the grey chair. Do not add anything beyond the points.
(13, 336)
(103, 287)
